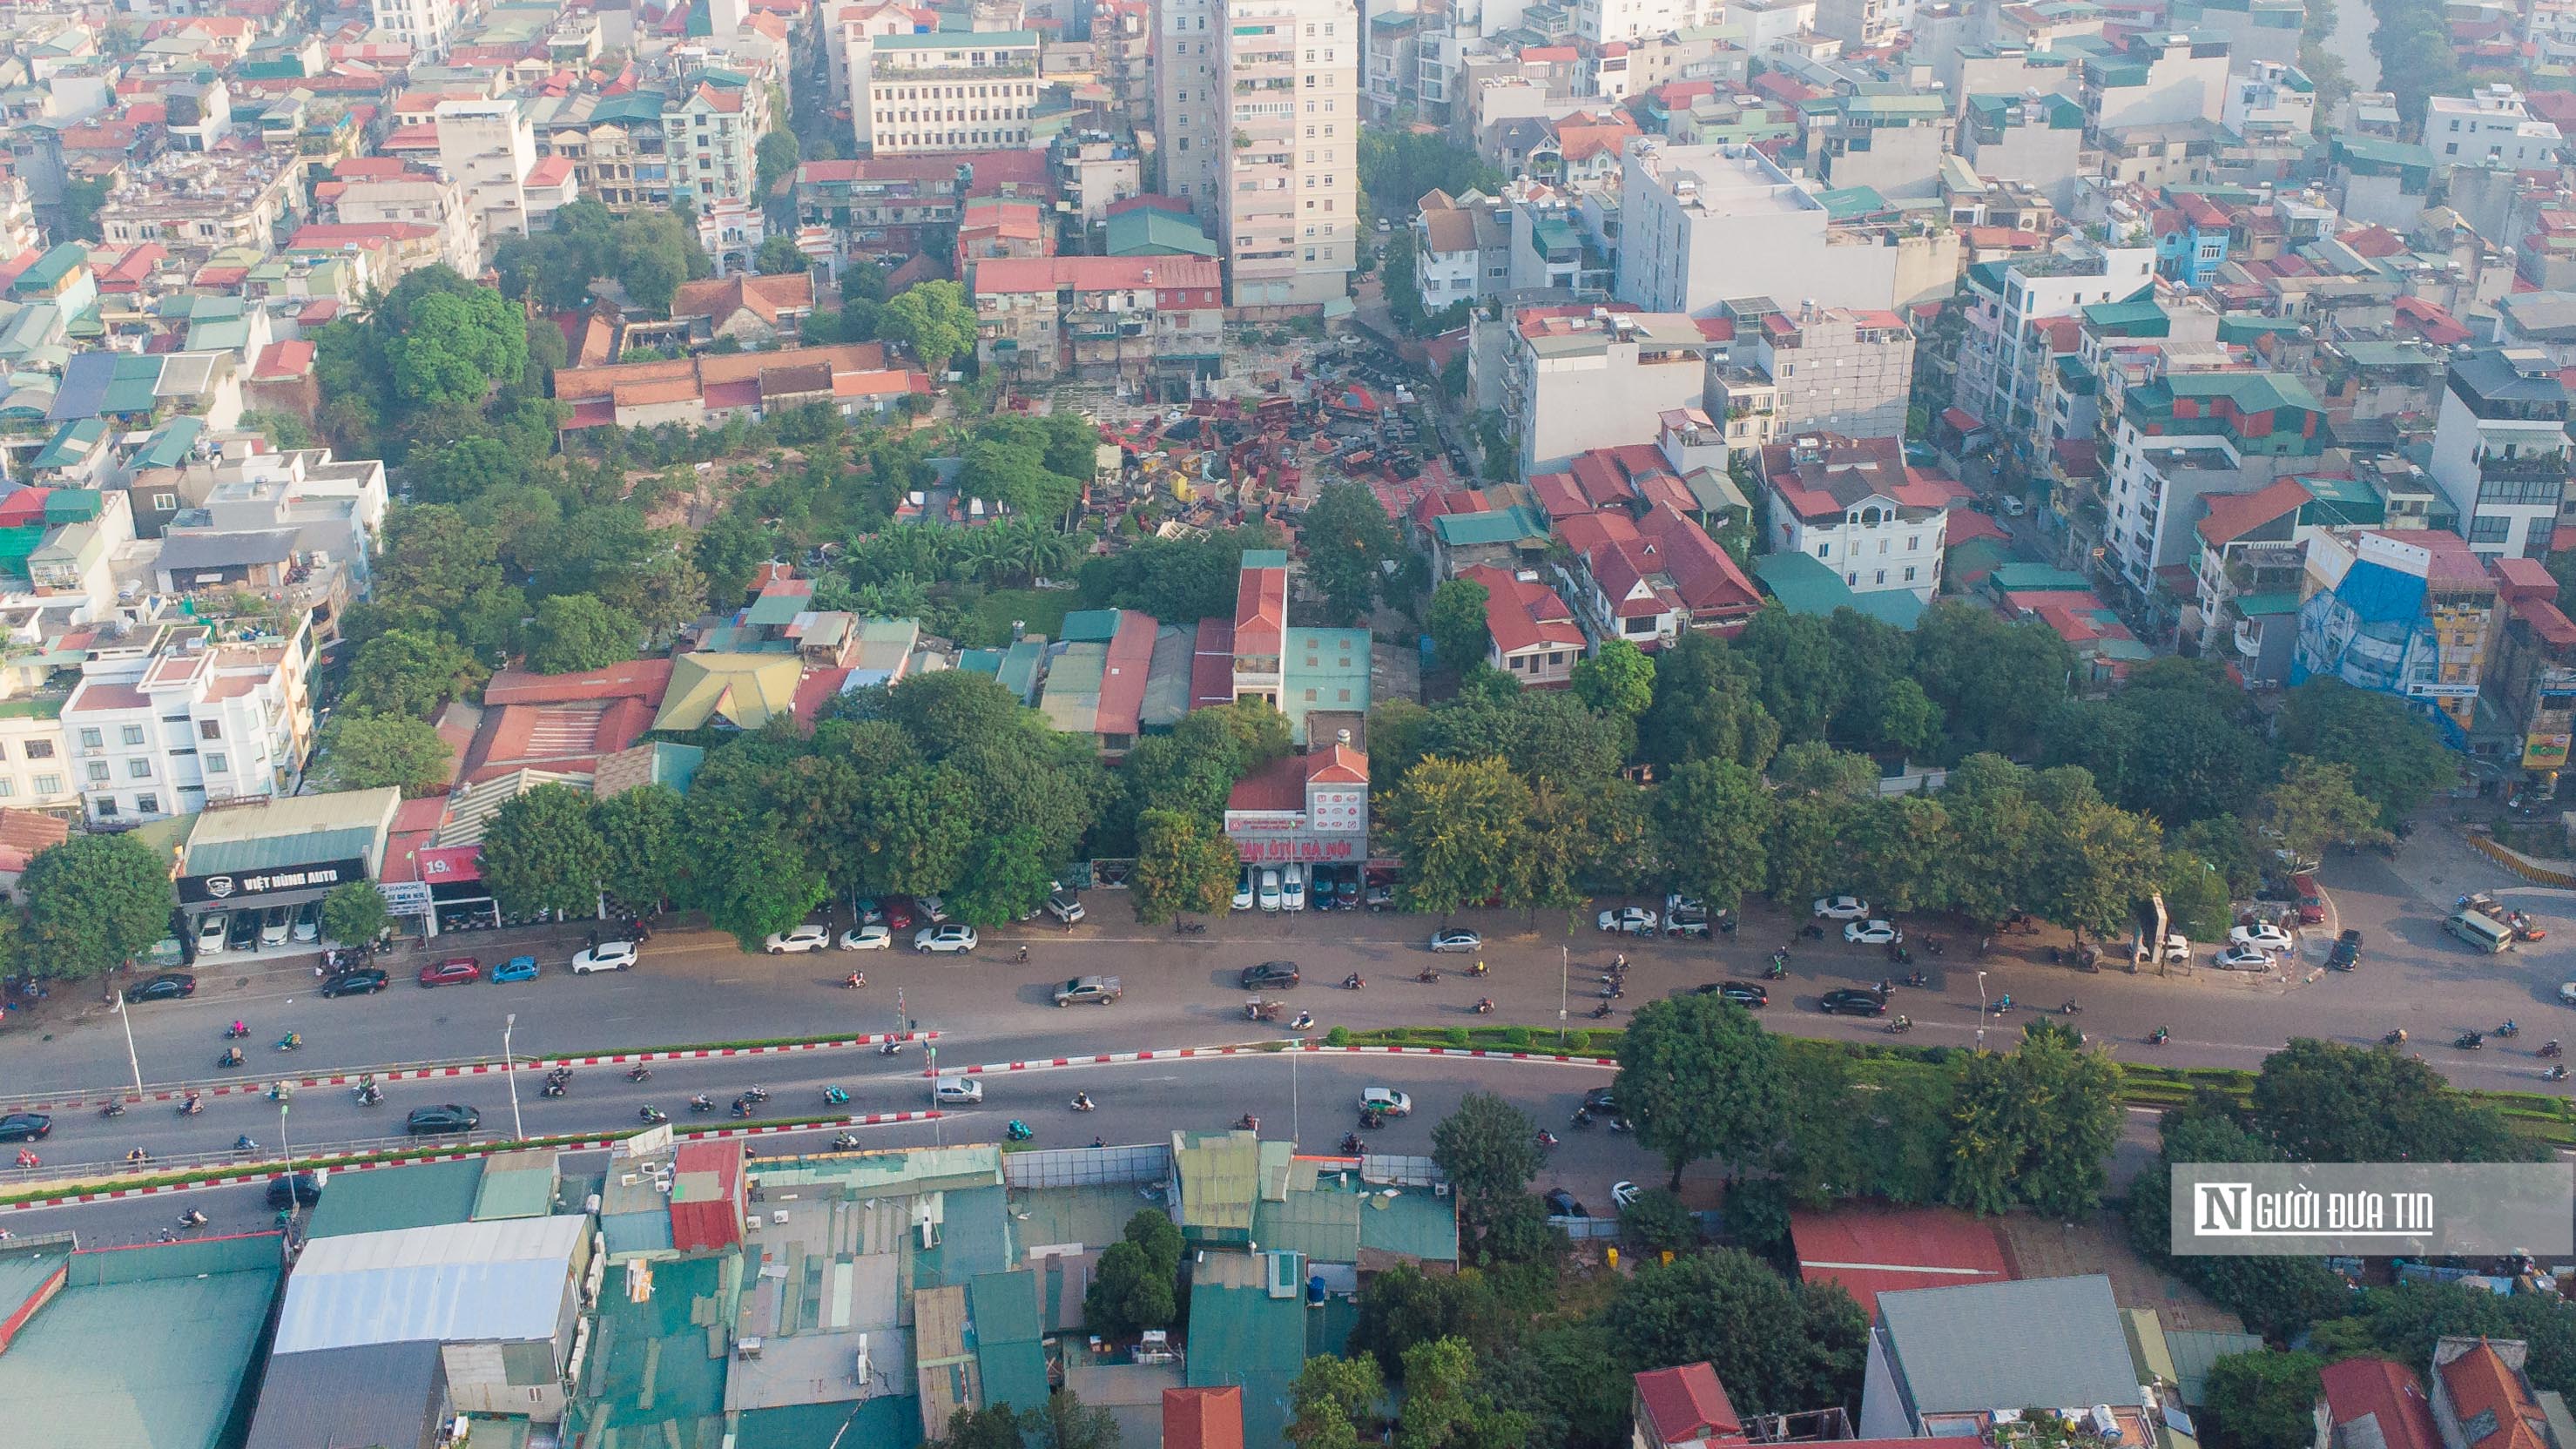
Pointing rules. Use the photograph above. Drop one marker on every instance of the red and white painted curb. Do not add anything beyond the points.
(464, 1069)
(327, 1159)
(1118, 1059)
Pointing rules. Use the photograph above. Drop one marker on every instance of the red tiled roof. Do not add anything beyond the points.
(551, 171)
(283, 360)
(1523, 614)
(1279, 785)
(1203, 1418)
(764, 297)
(1212, 664)
(2522, 578)
(644, 679)
(2481, 1385)
(1966, 525)
(2232, 515)
(1260, 611)
(1687, 1403)
(814, 689)
(2389, 1393)
(1122, 677)
(2547, 621)
(1095, 274)
(1871, 1249)
(993, 169)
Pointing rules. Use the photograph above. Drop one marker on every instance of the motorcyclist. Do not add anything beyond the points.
(240, 1029)
(243, 1143)
(232, 1057)
(2159, 1036)
(651, 1114)
(855, 978)
(192, 1104)
(835, 1096)
(1546, 1138)
(292, 1041)
(702, 1103)
(1902, 1023)
(137, 1157)
(1082, 1101)
(27, 1158)
(1484, 1005)
(1353, 982)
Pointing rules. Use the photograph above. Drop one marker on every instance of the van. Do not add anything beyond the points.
(2488, 936)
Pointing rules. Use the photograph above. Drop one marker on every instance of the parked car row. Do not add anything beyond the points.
(251, 928)
(1296, 885)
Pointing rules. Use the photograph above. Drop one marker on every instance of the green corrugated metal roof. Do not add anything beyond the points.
(1322, 1224)
(1005, 1307)
(1150, 231)
(1500, 525)
(1219, 1173)
(2256, 606)
(2137, 318)
(1413, 1222)
(168, 446)
(50, 269)
(70, 443)
(656, 1372)
(1844, 203)
(1090, 626)
(2026, 577)
(235, 856)
(73, 505)
(150, 1346)
(1265, 558)
(422, 1195)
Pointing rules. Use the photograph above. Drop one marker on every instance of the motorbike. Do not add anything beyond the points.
(653, 1116)
(232, 1057)
(741, 1108)
(29, 1159)
(279, 1093)
(552, 1089)
(2469, 1041)
(1305, 1020)
(1484, 1006)
(291, 1042)
(1353, 982)
(1023, 957)
(1811, 931)
(835, 1097)
(1082, 1103)
(236, 1032)
(1371, 1121)
(2394, 1038)
(1546, 1139)
(889, 1047)
(1900, 1026)
(702, 1103)
(191, 1219)
(755, 1094)
(1918, 981)
(1480, 969)
(1019, 1131)
(1613, 991)
(1426, 975)
(854, 980)
(846, 1142)
(2070, 1009)
(1582, 1117)
(2554, 1074)
(1599, 1012)
(191, 1105)
(371, 1096)
(112, 1109)
(1247, 1123)
(2551, 1048)
(1932, 944)
(2509, 1029)
(1350, 1142)
(2158, 1037)
(245, 1143)
(1189, 928)
(639, 1073)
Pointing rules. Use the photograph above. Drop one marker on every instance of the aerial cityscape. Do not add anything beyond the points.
(714, 712)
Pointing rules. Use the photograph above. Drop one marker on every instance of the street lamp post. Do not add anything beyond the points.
(938, 1129)
(286, 1158)
(1564, 990)
(1981, 1011)
(131, 1060)
(510, 1071)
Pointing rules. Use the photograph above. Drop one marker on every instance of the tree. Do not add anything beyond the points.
(1182, 864)
(1398, 164)
(574, 632)
(1443, 1406)
(1618, 679)
(1488, 1149)
(1065, 1422)
(640, 847)
(2034, 1127)
(1456, 622)
(373, 752)
(456, 348)
(1348, 542)
(1711, 817)
(1330, 1400)
(2196, 896)
(1812, 1349)
(994, 1426)
(774, 159)
(778, 255)
(540, 854)
(2316, 805)
(766, 887)
(944, 710)
(1405, 1308)
(2397, 761)
(1007, 876)
(2265, 1399)
(1656, 1222)
(1458, 826)
(1127, 1295)
(1704, 708)
(409, 674)
(1700, 1079)
(2320, 1101)
(1992, 680)
(933, 320)
(1019, 477)
(354, 913)
(94, 903)
(2096, 861)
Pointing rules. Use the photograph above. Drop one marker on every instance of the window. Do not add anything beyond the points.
(1824, 550)
(49, 784)
(132, 734)
(98, 772)
(1913, 541)
(89, 739)
(1909, 575)
(2489, 528)
(139, 769)
(147, 804)
(210, 729)
(219, 764)
(165, 502)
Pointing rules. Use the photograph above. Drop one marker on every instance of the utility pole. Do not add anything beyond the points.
(1564, 990)
(131, 1060)
(510, 1070)
(1981, 1011)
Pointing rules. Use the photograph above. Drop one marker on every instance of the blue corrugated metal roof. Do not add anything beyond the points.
(2378, 594)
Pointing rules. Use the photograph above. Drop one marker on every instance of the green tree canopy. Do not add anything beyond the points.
(93, 903)
(354, 913)
(1711, 818)
(640, 846)
(1618, 679)
(2397, 760)
(933, 320)
(540, 853)
(1700, 1079)
(2321, 1101)
(1488, 1149)
(574, 632)
(1458, 826)
(403, 673)
(1811, 1351)
(372, 751)
(2265, 1399)
(1182, 864)
(1349, 541)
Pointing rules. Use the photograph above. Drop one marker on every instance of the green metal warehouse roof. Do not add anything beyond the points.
(149, 1346)
(422, 1195)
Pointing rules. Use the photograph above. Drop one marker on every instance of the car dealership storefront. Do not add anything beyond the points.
(270, 856)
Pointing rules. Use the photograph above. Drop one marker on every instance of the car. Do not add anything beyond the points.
(303, 1189)
(241, 931)
(210, 933)
(2567, 993)
(898, 913)
(2241, 957)
(1683, 908)
(275, 925)
(1380, 898)
(451, 971)
(2012, 505)
(1623, 1193)
(952, 1090)
(1319, 888)
(867, 938)
(1692, 930)
(807, 937)
(1627, 921)
(1101, 989)
(930, 908)
(1852, 1001)
(355, 983)
(945, 939)
(2262, 935)
(1292, 887)
(1064, 907)
(448, 1118)
(1843, 908)
(26, 1127)
(1243, 889)
(308, 922)
(606, 956)
(2309, 900)
(868, 912)
(1456, 941)
(1599, 1100)
(1872, 933)
(2346, 953)
(1747, 994)
(1562, 1204)
(1269, 888)
(1269, 975)
(1386, 1101)
(517, 968)
(168, 986)
(1346, 890)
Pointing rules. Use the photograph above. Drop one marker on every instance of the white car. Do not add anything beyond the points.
(1292, 888)
(945, 939)
(1623, 1193)
(308, 922)
(2262, 936)
(1269, 888)
(606, 956)
(1683, 908)
(1629, 921)
(1243, 890)
(807, 937)
(2243, 958)
(1386, 1100)
(930, 908)
(954, 1090)
(1871, 933)
(210, 933)
(1457, 941)
(867, 938)
(2177, 947)
(1843, 908)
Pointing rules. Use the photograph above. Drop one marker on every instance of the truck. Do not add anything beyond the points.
(2523, 927)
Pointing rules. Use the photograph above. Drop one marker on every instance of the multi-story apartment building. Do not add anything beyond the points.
(2531, 679)
(197, 203)
(1887, 139)
(1287, 105)
(375, 194)
(948, 91)
(2493, 127)
(2500, 450)
(2155, 80)
(1851, 505)
(1858, 24)
(428, 26)
(614, 144)
(2268, 99)
(488, 148)
(711, 131)
(886, 208)
(1595, 381)
(2185, 435)
(1699, 224)
(2407, 614)
(177, 722)
(1122, 35)
(1817, 369)
(1125, 318)
(1186, 113)
(2004, 349)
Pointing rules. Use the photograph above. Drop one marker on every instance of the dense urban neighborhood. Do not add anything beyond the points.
(713, 712)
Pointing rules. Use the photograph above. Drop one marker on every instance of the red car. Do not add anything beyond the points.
(2311, 902)
(898, 913)
(452, 971)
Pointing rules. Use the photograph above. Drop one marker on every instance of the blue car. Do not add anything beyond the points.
(517, 968)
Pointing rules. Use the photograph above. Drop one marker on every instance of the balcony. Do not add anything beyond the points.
(2523, 467)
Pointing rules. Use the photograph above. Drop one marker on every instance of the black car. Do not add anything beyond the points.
(168, 986)
(1561, 1203)
(25, 1127)
(1852, 1001)
(2346, 953)
(1597, 1101)
(355, 983)
(1268, 974)
(1743, 993)
(450, 1118)
(242, 931)
(301, 1187)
